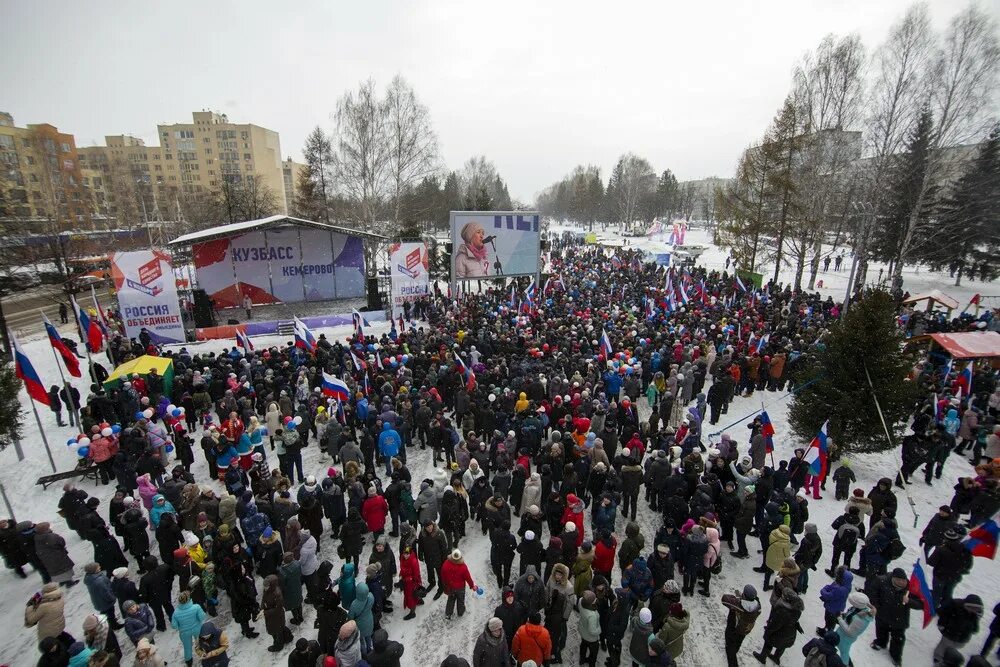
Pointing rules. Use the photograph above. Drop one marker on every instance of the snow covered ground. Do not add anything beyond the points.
(429, 639)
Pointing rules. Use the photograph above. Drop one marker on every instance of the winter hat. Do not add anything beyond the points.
(372, 569)
(529, 535)
(191, 540)
(533, 509)
(858, 600)
(954, 533)
(973, 603)
(247, 496)
(570, 527)
(529, 663)
(626, 452)
(645, 615)
(268, 532)
(93, 502)
(586, 546)
(128, 501)
(494, 624)
(91, 568)
(120, 572)
(456, 554)
(676, 609)
(89, 623)
(859, 493)
(372, 492)
(831, 638)
(749, 592)
(656, 645)
(670, 587)
(898, 573)
(662, 549)
(810, 528)
(310, 481)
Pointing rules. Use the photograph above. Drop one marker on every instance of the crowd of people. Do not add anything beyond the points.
(531, 413)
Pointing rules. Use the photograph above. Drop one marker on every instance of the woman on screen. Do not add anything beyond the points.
(471, 260)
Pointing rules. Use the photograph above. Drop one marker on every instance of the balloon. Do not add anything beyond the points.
(170, 448)
(393, 364)
(104, 425)
(82, 452)
(139, 415)
(147, 413)
(116, 428)
(479, 592)
(71, 442)
(297, 420)
(106, 431)
(286, 420)
(406, 358)
(84, 442)
(80, 436)
(182, 407)
(399, 357)
(176, 412)
(171, 407)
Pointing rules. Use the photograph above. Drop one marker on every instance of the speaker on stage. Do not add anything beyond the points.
(204, 314)
(374, 298)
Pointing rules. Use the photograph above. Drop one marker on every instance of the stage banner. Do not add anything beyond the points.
(281, 264)
(408, 265)
(488, 244)
(147, 295)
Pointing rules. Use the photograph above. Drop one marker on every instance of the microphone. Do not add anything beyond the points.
(489, 239)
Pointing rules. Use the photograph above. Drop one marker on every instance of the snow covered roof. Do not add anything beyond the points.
(235, 228)
(937, 296)
(969, 344)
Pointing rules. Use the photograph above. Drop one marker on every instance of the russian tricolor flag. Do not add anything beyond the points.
(815, 456)
(762, 342)
(27, 374)
(920, 590)
(739, 283)
(359, 320)
(243, 340)
(964, 380)
(530, 292)
(89, 330)
(304, 337)
(684, 294)
(335, 387)
(606, 344)
(72, 363)
(767, 430)
(358, 364)
(102, 319)
(982, 540)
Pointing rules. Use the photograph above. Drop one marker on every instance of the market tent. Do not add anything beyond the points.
(143, 365)
(970, 344)
(934, 297)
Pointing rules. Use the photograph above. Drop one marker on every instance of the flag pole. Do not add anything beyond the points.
(878, 407)
(41, 432)
(69, 393)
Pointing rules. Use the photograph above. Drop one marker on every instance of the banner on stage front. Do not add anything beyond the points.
(488, 244)
(147, 295)
(408, 264)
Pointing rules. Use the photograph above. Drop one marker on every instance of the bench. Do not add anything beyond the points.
(86, 472)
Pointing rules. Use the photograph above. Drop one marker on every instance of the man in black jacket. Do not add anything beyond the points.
(385, 652)
(156, 589)
(958, 621)
(891, 598)
(951, 561)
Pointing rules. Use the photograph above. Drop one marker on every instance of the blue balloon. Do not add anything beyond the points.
(371, 347)
(263, 430)
(139, 415)
(116, 428)
(71, 442)
(170, 448)
(176, 412)
(83, 452)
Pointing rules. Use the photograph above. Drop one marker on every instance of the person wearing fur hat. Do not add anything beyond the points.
(492, 649)
(99, 635)
(455, 576)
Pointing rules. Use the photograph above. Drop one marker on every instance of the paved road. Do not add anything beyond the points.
(21, 310)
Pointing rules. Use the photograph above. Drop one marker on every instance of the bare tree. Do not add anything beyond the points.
(363, 153)
(413, 149)
(246, 199)
(634, 182)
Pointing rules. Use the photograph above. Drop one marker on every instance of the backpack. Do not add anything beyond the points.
(815, 658)
(894, 549)
(847, 536)
(717, 565)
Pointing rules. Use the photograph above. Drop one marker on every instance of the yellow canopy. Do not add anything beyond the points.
(143, 365)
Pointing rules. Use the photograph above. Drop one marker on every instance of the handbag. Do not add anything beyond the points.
(717, 565)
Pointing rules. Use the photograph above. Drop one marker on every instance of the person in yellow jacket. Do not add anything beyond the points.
(522, 403)
(195, 551)
(779, 548)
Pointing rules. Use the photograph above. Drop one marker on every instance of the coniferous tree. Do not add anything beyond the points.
(10, 406)
(318, 154)
(899, 226)
(837, 385)
(968, 219)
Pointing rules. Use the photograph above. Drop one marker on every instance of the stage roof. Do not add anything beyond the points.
(970, 344)
(273, 221)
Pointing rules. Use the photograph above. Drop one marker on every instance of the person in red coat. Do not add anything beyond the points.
(604, 554)
(455, 575)
(409, 575)
(374, 511)
(232, 428)
(574, 514)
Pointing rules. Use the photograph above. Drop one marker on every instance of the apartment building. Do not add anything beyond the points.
(40, 176)
(291, 172)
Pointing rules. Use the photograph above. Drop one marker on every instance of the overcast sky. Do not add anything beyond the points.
(537, 86)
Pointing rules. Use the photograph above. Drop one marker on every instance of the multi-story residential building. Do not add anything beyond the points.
(132, 181)
(40, 177)
(291, 173)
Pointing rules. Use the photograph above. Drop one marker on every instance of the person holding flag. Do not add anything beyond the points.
(893, 600)
(243, 341)
(89, 329)
(606, 345)
(816, 457)
(334, 387)
(58, 345)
